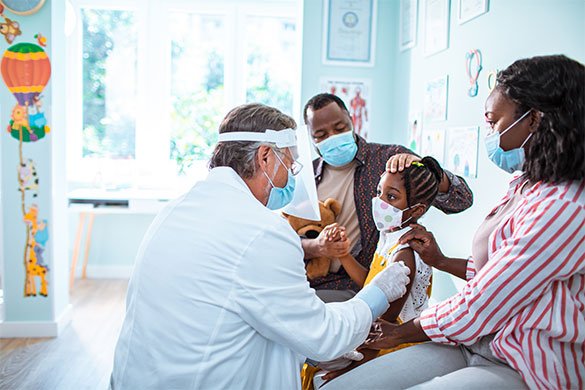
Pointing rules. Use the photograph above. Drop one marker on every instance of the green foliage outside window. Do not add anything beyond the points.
(107, 131)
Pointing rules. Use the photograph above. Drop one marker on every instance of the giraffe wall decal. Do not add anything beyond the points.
(34, 267)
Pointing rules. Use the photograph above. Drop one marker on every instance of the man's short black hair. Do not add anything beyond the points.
(321, 100)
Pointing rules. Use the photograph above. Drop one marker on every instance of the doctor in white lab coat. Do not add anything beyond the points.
(219, 298)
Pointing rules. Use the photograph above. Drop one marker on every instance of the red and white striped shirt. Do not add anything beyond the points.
(530, 293)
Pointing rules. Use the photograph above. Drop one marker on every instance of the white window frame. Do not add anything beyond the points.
(152, 166)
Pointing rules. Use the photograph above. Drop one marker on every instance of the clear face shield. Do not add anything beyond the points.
(305, 203)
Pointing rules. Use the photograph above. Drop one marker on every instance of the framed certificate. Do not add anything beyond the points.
(436, 26)
(349, 32)
(471, 9)
(408, 23)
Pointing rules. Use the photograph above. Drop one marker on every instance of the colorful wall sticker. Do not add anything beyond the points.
(473, 66)
(9, 28)
(26, 70)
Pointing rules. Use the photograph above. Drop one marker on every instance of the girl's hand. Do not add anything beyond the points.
(334, 232)
(332, 242)
(369, 354)
(423, 243)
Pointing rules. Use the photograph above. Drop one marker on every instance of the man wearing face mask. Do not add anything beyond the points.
(348, 170)
(219, 297)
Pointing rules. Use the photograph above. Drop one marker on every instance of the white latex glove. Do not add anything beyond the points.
(392, 280)
(341, 362)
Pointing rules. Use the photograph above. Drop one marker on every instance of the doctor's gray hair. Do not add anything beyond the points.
(241, 155)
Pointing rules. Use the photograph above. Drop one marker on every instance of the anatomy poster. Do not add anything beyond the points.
(461, 151)
(356, 95)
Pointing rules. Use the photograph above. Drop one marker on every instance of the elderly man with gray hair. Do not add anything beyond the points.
(219, 297)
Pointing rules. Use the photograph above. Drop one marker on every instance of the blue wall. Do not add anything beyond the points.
(380, 74)
(48, 154)
(511, 29)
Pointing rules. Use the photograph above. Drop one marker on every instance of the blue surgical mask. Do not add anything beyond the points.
(511, 160)
(280, 197)
(338, 150)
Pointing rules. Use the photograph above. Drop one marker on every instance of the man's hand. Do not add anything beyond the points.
(332, 242)
(368, 354)
(423, 243)
(341, 362)
(398, 162)
(392, 280)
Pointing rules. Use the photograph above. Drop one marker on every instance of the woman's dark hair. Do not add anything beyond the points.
(240, 155)
(321, 100)
(421, 181)
(555, 87)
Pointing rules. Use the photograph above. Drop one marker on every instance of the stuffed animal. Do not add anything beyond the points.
(330, 209)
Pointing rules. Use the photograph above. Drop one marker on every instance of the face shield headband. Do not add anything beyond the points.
(281, 138)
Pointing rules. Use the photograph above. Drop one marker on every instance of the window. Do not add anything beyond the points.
(110, 43)
(151, 81)
(197, 84)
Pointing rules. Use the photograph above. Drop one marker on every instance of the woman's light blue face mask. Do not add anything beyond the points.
(511, 160)
(338, 150)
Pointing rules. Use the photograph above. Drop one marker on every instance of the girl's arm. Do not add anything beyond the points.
(405, 255)
(354, 269)
(424, 243)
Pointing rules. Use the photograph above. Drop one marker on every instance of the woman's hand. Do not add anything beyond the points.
(424, 243)
(384, 335)
(398, 162)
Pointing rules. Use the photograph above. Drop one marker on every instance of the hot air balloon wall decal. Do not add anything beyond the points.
(26, 70)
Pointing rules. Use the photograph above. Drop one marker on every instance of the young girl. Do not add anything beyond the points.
(402, 198)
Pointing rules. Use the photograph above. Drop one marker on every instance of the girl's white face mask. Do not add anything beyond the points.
(386, 216)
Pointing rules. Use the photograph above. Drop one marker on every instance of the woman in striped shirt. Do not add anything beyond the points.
(520, 319)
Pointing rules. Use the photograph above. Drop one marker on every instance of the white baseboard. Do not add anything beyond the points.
(109, 271)
(34, 329)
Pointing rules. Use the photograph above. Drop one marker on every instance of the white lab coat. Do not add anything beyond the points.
(219, 299)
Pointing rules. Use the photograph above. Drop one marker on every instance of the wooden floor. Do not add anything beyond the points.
(81, 357)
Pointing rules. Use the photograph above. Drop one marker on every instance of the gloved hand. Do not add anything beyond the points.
(392, 280)
(341, 362)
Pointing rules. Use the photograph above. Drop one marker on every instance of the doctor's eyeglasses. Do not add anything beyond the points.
(295, 167)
